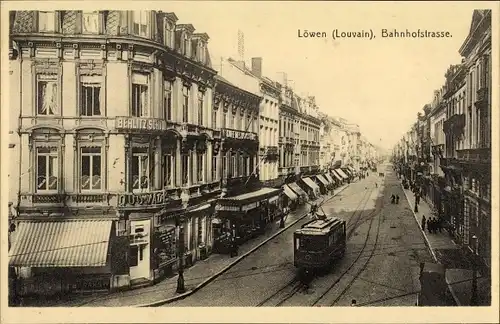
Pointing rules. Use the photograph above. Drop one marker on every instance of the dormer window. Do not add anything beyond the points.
(140, 23)
(90, 22)
(186, 45)
(46, 21)
(169, 34)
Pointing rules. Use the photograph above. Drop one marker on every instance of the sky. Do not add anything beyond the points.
(380, 84)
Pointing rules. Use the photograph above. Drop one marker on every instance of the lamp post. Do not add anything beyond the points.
(180, 223)
(473, 299)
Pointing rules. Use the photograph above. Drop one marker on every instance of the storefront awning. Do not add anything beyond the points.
(298, 190)
(336, 175)
(329, 178)
(342, 173)
(200, 208)
(61, 244)
(289, 193)
(311, 184)
(352, 169)
(347, 171)
(322, 179)
(337, 164)
(250, 197)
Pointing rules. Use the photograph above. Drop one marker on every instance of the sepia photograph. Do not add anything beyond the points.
(250, 154)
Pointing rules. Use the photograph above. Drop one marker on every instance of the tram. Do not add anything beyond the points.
(318, 243)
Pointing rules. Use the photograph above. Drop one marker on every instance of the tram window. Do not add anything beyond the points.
(313, 243)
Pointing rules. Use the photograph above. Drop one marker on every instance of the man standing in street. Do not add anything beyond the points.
(423, 222)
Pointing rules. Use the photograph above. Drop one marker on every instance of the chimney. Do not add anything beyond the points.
(257, 66)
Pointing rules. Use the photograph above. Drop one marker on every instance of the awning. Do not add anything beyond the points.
(201, 208)
(298, 190)
(329, 178)
(250, 197)
(352, 169)
(336, 175)
(61, 244)
(311, 184)
(322, 179)
(337, 164)
(342, 173)
(289, 193)
(346, 171)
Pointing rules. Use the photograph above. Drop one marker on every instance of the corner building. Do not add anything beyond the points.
(116, 144)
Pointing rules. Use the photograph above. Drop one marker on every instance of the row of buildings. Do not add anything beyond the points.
(447, 152)
(129, 152)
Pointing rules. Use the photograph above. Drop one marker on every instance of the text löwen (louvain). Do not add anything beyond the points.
(367, 34)
(304, 33)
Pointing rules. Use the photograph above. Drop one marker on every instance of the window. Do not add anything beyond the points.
(46, 21)
(191, 167)
(90, 22)
(168, 172)
(47, 169)
(200, 108)
(486, 71)
(140, 171)
(90, 168)
(140, 95)
(140, 22)
(224, 166)
(214, 119)
(90, 96)
(47, 92)
(200, 229)
(185, 104)
(169, 30)
(167, 100)
(200, 167)
(185, 167)
(214, 168)
(224, 120)
(186, 45)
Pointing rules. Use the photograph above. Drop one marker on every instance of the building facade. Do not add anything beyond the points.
(289, 115)
(124, 158)
(308, 125)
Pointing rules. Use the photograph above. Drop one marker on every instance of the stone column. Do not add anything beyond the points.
(158, 165)
(195, 165)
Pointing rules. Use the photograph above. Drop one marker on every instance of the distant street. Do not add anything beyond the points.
(380, 268)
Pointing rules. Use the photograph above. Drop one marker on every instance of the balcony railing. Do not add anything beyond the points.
(43, 198)
(238, 134)
(272, 150)
(455, 124)
(480, 155)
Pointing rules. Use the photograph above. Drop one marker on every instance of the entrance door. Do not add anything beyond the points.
(139, 250)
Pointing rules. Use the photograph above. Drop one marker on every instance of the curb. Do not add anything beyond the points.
(229, 266)
(457, 301)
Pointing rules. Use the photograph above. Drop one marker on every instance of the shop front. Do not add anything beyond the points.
(291, 199)
(311, 188)
(243, 217)
(333, 183)
(60, 257)
(342, 174)
(337, 177)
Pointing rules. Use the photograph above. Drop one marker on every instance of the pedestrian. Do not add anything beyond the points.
(429, 225)
(376, 185)
(397, 199)
(392, 198)
(434, 225)
(417, 197)
(423, 222)
(440, 225)
(353, 302)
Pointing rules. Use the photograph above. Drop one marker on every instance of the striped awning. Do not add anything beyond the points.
(329, 178)
(298, 190)
(336, 175)
(322, 179)
(352, 169)
(311, 184)
(61, 244)
(341, 173)
(289, 193)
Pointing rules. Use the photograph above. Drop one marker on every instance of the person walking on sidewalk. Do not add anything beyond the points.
(423, 222)
(429, 225)
(417, 197)
(397, 199)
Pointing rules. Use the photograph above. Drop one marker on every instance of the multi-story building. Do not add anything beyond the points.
(120, 165)
(473, 153)
(308, 126)
(289, 114)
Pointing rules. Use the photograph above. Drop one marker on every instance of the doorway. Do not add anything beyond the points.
(139, 250)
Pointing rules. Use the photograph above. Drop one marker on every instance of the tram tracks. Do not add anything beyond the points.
(295, 285)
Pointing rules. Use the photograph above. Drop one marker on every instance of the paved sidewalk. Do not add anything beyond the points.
(197, 276)
(445, 251)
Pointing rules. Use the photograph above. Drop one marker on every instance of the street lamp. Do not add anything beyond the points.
(473, 299)
(180, 223)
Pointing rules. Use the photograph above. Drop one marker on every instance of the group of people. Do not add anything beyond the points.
(433, 224)
(394, 199)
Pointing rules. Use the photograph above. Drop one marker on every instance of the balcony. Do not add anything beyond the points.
(272, 150)
(238, 134)
(481, 97)
(43, 198)
(479, 155)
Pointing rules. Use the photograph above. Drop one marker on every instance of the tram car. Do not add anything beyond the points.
(318, 243)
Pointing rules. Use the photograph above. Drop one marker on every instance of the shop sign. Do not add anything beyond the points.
(91, 284)
(166, 244)
(136, 123)
(238, 134)
(250, 206)
(219, 207)
(151, 199)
